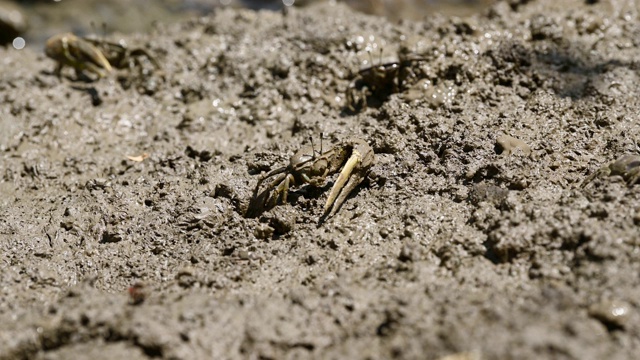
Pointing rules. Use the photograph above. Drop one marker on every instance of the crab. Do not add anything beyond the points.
(120, 56)
(70, 50)
(379, 82)
(99, 56)
(626, 166)
(354, 156)
(141, 65)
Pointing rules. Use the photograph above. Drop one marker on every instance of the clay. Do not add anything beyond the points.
(447, 248)
(507, 144)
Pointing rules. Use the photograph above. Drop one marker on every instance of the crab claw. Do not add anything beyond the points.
(352, 174)
(68, 49)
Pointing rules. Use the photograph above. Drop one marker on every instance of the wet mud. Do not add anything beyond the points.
(122, 201)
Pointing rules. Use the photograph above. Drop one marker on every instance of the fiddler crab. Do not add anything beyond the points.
(627, 166)
(70, 50)
(378, 82)
(307, 166)
(97, 56)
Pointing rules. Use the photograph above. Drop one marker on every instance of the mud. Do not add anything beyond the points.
(456, 243)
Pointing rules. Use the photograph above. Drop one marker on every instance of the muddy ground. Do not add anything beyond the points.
(471, 235)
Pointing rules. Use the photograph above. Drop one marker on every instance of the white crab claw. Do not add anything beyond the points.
(353, 161)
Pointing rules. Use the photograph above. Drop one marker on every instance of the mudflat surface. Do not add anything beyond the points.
(471, 235)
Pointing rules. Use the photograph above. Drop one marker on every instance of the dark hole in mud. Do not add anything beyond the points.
(486, 173)
(96, 100)
(111, 237)
(228, 251)
(151, 350)
(202, 155)
(495, 256)
(612, 326)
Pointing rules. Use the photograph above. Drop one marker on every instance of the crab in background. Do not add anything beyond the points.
(374, 84)
(99, 57)
(627, 166)
(69, 50)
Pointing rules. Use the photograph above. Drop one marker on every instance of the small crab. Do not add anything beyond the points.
(139, 64)
(379, 82)
(354, 156)
(120, 56)
(70, 50)
(99, 56)
(627, 166)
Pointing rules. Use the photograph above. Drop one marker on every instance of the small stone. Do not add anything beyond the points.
(263, 232)
(243, 255)
(612, 313)
(506, 144)
(137, 293)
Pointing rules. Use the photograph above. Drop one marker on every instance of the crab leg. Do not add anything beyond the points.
(268, 175)
(283, 188)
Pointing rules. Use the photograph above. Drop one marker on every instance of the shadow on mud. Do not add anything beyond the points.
(571, 70)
